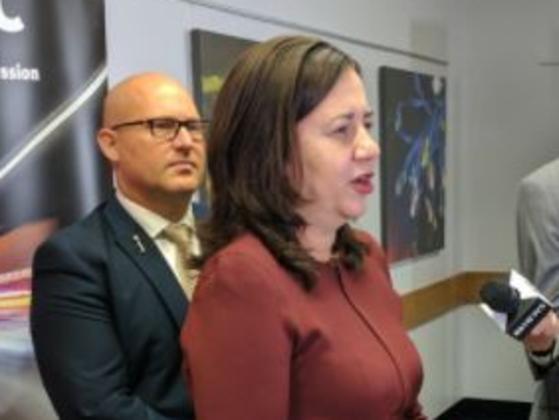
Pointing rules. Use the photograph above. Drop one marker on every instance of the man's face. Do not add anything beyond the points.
(150, 169)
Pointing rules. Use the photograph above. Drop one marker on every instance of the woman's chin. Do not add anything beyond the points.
(354, 212)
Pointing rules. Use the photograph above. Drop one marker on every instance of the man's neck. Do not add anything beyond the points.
(172, 208)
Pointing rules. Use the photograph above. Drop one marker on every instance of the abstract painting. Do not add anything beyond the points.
(413, 165)
(213, 55)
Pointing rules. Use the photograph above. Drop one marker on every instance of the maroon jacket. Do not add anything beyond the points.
(258, 347)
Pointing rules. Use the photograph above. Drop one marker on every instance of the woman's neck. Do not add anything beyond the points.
(317, 242)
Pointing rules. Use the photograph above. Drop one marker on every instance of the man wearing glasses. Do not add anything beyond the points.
(111, 291)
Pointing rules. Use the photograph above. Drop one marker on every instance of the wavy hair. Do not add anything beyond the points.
(252, 141)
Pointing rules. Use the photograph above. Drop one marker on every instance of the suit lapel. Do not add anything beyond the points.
(143, 251)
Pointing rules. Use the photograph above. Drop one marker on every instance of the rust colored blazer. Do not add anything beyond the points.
(258, 347)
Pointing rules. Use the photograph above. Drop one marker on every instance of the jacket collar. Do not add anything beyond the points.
(134, 241)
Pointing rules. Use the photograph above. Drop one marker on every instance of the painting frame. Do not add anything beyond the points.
(413, 162)
(213, 54)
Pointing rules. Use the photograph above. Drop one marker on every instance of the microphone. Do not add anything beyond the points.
(522, 313)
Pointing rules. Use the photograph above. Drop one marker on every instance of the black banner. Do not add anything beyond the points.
(52, 79)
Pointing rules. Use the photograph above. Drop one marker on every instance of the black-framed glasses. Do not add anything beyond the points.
(168, 128)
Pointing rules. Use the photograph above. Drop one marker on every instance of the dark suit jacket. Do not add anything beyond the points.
(105, 319)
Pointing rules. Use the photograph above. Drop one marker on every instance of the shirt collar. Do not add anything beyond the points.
(152, 223)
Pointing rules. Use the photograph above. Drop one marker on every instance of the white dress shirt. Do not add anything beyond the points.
(153, 224)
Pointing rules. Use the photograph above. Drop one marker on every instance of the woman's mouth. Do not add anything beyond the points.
(363, 184)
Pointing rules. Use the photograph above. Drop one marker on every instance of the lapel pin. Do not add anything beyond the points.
(139, 243)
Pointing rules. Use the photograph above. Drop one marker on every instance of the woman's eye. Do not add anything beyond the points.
(343, 130)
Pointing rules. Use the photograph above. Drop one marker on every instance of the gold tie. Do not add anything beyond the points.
(179, 234)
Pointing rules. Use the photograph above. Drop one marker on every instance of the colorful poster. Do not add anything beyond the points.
(213, 55)
(413, 144)
(52, 79)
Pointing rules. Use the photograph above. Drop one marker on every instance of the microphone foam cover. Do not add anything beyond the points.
(500, 297)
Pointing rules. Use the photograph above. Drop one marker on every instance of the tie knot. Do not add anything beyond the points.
(178, 233)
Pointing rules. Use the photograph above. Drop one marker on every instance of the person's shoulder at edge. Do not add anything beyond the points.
(545, 175)
(536, 192)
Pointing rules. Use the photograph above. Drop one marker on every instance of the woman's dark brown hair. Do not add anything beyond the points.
(252, 142)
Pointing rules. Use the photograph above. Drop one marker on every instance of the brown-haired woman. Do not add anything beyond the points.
(294, 316)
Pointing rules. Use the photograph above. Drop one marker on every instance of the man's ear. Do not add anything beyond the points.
(106, 139)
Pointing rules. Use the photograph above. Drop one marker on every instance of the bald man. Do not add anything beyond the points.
(108, 295)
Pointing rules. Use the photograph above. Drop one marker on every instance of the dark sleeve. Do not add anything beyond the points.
(541, 369)
(236, 345)
(80, 360)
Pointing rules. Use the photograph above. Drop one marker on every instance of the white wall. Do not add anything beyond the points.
(502, 108)
(147, 35)
(506, 121)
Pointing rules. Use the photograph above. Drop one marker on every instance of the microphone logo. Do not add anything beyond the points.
(525, 325)
(522, 313)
